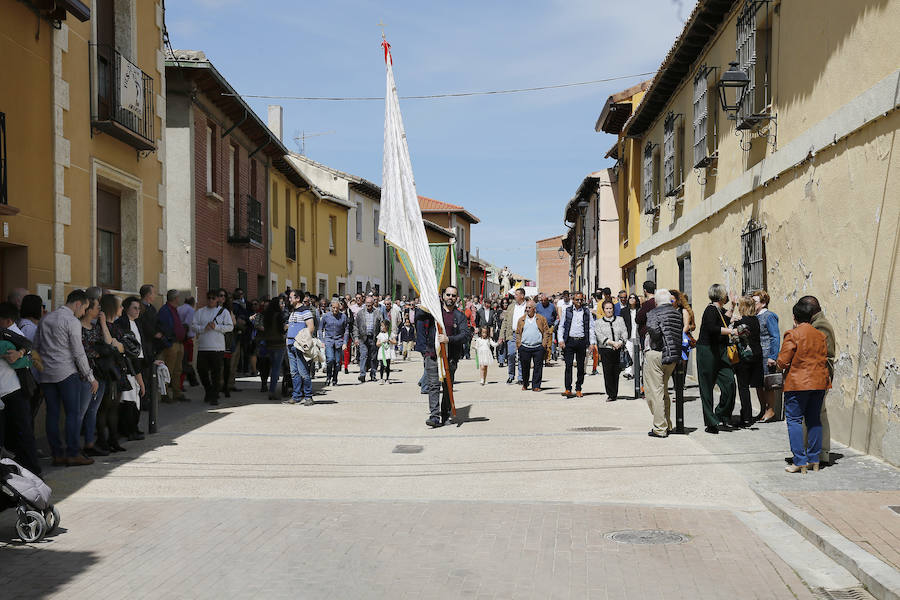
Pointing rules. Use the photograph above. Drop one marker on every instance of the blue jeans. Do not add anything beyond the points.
(799, 407)
(299, 375)
(89, 406)
(276, 357)
(334, 354)
(513, 364)
(65, 394)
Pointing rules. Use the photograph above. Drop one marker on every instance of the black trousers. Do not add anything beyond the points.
(108, 416)
(17, 430)
(532, 356)
(744, 374)
(209, 366)
(609, 358)
(575, 350)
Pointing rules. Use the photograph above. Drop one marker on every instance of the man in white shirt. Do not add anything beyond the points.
(563, 303)
(575, 336)
(514, 312)
(210, 325)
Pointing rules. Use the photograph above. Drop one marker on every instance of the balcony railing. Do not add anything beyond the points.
(248, 230)
(122, 98)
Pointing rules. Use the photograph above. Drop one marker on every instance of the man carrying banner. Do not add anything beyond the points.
(457, 332)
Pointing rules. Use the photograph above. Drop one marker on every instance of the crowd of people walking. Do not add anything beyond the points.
(92, 361)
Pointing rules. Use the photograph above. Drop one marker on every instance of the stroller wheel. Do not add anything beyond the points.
(31, 527)
(51, 516)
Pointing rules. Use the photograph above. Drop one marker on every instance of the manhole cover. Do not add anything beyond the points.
(648, 536)
(401, 449)
(594, 428)
(896, 509)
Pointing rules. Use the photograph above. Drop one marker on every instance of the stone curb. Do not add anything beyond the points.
(881, 580)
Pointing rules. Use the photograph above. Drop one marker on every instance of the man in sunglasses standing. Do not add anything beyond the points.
(456, 333)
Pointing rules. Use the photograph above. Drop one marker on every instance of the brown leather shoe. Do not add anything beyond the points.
(59, 461)
(77, 461)
(535, 389)
(567, 393)
(524, 388)
(578, 394)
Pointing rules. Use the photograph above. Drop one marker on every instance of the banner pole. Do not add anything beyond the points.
(447, 379)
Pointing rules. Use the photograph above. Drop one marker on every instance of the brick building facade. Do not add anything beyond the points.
(552, 271)
(218, 219)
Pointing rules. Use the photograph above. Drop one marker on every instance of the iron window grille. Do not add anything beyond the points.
(754, 257)
(651, 272)
(673, 159)
(649, 174)
(4, 199)
(122, 98)
(290, 242)
(242, 279)
(705, 120)
(752, 58)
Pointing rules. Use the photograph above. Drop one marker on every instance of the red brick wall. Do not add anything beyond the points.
(212, 216)
(552, 271)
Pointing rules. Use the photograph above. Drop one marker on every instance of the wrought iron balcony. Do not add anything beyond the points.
(248, 230)
(122, 98)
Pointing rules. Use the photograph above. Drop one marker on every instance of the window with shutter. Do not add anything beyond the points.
(701, 115)
(754, 257)
(672, 181)
(647, 179)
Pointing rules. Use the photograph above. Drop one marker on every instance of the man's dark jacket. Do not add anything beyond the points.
(425, 333)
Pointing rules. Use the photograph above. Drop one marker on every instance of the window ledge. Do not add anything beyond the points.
(214, 196)
(7, 210)
(677, 192)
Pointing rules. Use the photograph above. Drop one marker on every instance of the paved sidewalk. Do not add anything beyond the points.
(255, 497)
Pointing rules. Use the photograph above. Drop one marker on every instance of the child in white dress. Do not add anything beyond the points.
(385, 345)
(483, 346)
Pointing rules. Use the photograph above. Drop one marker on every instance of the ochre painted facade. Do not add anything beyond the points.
(59, 160)
(822, 186)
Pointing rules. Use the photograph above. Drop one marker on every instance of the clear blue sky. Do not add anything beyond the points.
(512, 160)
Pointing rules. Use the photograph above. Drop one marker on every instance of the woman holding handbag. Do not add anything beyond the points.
(713, 365)
(750, 370)
(770, 341)
(611, 336)
(629, 314)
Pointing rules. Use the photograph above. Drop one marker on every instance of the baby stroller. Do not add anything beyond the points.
(22, 489)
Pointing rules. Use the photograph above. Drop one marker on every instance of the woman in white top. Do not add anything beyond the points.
(611, 335)
(629, 314)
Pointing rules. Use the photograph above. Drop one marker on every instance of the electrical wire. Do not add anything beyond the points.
(447, 95)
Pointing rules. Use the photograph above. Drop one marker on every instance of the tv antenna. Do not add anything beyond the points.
(301, 139)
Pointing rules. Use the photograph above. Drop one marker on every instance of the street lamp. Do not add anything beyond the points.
(733, 84)
(561, 252)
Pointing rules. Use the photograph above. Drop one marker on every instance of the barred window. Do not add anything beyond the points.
(701, 117)
(647, 179)
(753, 57)
(754, 257)
(673, 157)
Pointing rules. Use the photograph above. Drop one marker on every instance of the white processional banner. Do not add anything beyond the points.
(401, 217)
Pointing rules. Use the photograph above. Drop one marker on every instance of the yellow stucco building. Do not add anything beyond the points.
(308, 249)
(83, 128)
(795, 190)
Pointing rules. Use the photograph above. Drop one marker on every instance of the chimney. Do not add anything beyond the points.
(276, 120)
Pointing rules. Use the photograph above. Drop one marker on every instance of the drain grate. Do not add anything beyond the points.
(648, 536)
(594, 428)
(403, 449)
(896, 509)
(847, 594)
